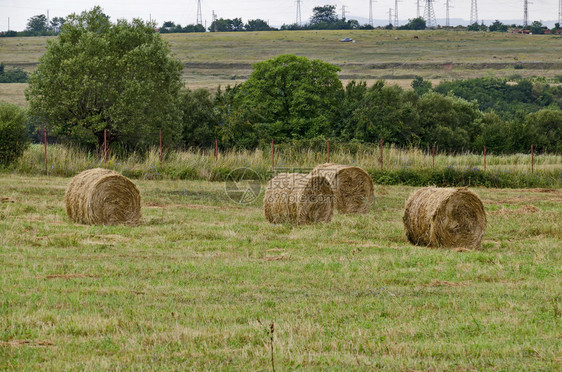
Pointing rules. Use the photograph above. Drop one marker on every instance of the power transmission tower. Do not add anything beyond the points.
(560, 12)
(390, 16)
(447, 19)
(525, 13)
(371, 21)
(343, 11)
(474, 11)
(429, 14)
(215, 21)
(299, 15)
(199, 14)
(417, 8)
(396, 13)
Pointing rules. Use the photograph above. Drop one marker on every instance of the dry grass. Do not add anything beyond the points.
(445, 217)
(102, 197)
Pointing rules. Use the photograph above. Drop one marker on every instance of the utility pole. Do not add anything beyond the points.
(390, 16)
(429, 14)
(343, 12)
(9, 22)
(396, 13)
(474, 11)
(48, 23)
(371, 21)
(526, 12)
(199, 14)
(299, 14)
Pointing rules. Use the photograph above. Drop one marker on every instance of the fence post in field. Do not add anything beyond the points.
(45, 142)
(272, 156)
(532, 159)
(382, 162)
(160, 145)
(484, 157)
(328, 149)
(216, 150)
(105, 146)
(433, 154)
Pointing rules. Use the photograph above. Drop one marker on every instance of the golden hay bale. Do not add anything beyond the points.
(298, 198)
(352, 186)
(102, 197)
(445, 217)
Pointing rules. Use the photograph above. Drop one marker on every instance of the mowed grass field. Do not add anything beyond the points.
(213, 59)
(199, 282)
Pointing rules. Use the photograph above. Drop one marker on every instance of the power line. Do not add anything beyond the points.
(429, 14)
(199, 14)
(474, 11)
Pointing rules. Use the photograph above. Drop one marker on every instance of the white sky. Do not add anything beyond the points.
(277, 12)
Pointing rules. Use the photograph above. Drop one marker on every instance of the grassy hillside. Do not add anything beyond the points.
(225, 58)
(199, 282)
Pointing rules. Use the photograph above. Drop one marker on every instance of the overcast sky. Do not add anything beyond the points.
(277, 12)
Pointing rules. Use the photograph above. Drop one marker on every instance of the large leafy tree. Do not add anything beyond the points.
(324, 14)
(98, 75)
(291, 97)
(37, 23)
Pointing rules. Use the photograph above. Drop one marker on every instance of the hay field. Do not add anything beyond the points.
(198, 283)
(214, 59)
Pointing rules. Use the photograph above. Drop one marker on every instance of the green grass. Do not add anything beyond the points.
(197, 284)
(436, 55)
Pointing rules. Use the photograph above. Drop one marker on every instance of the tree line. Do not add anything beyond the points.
(125, 83)
(323, 18)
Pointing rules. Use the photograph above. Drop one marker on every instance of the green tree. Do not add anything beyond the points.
(387, 112)
(56, 24)
(497, 26)
(415, 24)
(421, 86)
(324, 14)
(13, 133)
(97, 75)
(257, 25)
(448, 120)
(537, 28)
(547, 124)
(37, 23)
(201, 118)
(291, 97)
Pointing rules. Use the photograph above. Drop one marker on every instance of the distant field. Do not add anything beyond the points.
(225, 58)
(198, 283)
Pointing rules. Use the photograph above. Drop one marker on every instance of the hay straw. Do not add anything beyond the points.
(102, 197)
(298, 198)
(352, 187)
(445, 217)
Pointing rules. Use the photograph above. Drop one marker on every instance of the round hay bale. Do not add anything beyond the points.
(445, 217)
(102, 197)
(352, 187)
(298, 198)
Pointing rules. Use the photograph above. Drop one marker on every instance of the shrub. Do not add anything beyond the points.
(13, 133)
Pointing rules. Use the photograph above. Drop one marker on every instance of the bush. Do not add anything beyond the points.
(13, 133)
